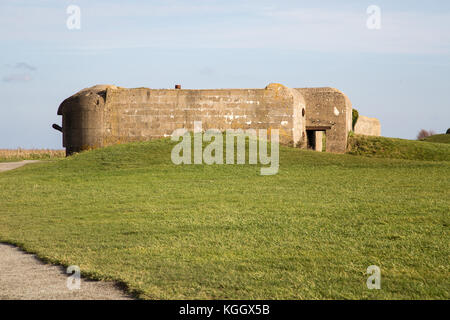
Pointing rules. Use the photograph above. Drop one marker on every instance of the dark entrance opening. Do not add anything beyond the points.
(311, 139)
(316, 137)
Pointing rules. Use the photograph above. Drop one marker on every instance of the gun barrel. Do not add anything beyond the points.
(57, 127)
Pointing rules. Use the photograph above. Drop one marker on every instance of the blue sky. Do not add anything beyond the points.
(399, 74)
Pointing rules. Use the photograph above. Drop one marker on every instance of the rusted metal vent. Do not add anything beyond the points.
(178, 86)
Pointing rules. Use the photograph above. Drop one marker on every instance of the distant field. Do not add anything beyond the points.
(381, 147)
(439, 138)
(126, 213)
(7, 155)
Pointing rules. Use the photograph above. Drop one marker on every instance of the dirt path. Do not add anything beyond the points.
(5, 166)
(23, 276)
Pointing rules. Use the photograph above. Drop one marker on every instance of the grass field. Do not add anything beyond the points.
(126, 213)
(382, 147)
(439, 138)
(11, 155)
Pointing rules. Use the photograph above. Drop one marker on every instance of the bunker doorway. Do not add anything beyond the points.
(316, 138)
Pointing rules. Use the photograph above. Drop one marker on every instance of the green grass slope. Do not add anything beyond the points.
(439, 138)
(126, 213)
(382, 147)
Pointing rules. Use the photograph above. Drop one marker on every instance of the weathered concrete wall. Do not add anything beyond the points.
(105, 115)
(318, 139)
(83, 117)
(329, 107)
(368, 126)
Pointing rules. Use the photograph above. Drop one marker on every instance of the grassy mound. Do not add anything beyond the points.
(382, 147)
(438, 138)
(126, 213)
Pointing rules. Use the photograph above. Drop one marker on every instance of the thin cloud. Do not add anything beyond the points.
(24, 65)
(24, 76)
(292, 25)
(17, 78)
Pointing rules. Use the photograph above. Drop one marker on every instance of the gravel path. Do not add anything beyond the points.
(5, 166)
(24, 277)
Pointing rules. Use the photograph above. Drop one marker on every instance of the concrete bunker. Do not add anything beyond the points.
(328, 111)
(368, 126)
(105, 114)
